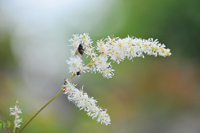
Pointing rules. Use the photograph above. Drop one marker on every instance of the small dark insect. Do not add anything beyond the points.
(65, 82)
(80, 49)
(78, 73)
(109, 66)
(103, 110)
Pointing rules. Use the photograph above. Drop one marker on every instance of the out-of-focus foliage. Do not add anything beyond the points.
(153, 95)
(4, 124)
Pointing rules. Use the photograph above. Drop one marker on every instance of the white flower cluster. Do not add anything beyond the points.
(115, 49)
(82, 44)
(82, 101)
(16, 111)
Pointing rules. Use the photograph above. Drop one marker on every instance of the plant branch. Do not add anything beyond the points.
(44, 106)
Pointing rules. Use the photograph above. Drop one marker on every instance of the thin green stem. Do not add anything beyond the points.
(15, 120)
(90, 64)
(51, 100)
(41, 110)
(72, 77)
(14, 129)
(44, 106)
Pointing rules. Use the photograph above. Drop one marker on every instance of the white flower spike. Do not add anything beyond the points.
(83, 101)
(116, 49)
(16, 111)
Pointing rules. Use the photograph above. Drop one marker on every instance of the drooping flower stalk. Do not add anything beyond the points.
(83, 101)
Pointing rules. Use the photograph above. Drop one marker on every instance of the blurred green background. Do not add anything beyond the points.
(150, 95)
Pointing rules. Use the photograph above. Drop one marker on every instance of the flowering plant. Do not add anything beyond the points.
(16, 111)
(114, 49)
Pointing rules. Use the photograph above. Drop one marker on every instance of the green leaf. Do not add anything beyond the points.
(1, 125)
(4, 123)
(8, 124)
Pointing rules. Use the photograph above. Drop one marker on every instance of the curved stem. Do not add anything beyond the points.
(49, 101)
(41, 110)
(44, 106)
